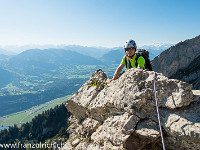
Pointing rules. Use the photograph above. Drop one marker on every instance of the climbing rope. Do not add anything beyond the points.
(158, 112)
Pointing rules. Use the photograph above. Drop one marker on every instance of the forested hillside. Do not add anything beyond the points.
(45, 126)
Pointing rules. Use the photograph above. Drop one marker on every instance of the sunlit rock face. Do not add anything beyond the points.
(122, 114)
(181, 62)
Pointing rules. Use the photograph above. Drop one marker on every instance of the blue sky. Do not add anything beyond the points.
(106, 23)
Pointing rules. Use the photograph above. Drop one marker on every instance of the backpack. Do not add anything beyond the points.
(145, 54)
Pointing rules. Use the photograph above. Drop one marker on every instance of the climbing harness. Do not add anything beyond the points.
(158, 111)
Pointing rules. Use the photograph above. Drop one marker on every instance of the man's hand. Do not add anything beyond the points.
(139, 67)
(109, 81)
(117, 72)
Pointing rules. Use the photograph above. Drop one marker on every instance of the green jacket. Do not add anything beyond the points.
(141, 61)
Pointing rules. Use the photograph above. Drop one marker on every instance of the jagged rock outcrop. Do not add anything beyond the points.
(181, 62)
(122, 115)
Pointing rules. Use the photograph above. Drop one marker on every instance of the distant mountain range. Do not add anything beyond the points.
(101, 52)
(96, 52)
(47, 59)
(115, 55)
(5, 52)
(37, 61)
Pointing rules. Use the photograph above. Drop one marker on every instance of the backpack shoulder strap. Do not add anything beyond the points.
(136, 59)
(128, 63)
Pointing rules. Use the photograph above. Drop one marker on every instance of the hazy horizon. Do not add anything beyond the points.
(20, 48)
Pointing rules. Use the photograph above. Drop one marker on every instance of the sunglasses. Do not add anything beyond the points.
(128, 49)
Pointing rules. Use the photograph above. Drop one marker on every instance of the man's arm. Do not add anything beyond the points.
(117, 72)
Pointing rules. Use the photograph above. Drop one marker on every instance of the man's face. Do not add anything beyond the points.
(130, 51)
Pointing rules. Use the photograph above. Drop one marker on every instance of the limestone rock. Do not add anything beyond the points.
(148, 128)
(146, 133)
(89, 126)
(116, 130)
(122, 115)
(134, 92)
(184, 123)
(181, 61)
(79, 102)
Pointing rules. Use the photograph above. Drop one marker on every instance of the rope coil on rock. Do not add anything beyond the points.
(163, 143)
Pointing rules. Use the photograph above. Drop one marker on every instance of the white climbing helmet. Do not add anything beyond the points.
(130, 43)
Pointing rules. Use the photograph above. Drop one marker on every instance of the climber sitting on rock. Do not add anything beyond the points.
(129, 60)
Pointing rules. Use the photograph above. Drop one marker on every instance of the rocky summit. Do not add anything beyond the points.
(122, 115)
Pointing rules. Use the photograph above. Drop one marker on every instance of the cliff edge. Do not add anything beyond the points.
(122, 115)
